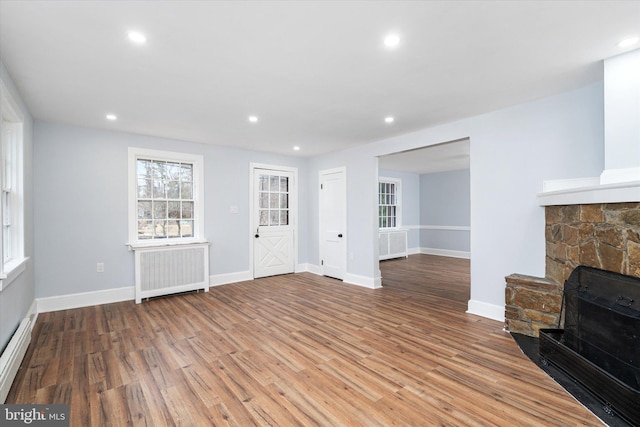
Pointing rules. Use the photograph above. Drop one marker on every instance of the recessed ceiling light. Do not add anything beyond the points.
(296, 148)
(629, 41)
(389, 119)
(137, 37)
(111, 117)
(253, 119)
(392, 40)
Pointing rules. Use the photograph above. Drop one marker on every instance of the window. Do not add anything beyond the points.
(273, 191)
(165, 198)
(388, 203)
(11, 182)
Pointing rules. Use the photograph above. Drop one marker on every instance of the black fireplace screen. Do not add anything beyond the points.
(602, 321)
(600, 343)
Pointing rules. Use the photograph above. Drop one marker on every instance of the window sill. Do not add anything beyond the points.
(12, 270)
(157, 244)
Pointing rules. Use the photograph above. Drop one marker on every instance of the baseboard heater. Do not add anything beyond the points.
(164, 270)
(12, 355)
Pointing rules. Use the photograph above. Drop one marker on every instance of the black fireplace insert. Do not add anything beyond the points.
(600, 343)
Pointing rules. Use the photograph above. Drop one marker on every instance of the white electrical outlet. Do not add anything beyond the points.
(100, 267)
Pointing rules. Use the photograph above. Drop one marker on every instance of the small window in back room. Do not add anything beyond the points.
(388, 203)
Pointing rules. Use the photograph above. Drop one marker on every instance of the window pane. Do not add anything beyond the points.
(173, 190)
(274, 183)
(174, 210)
(145, 229)
(284, 217)
(159, 210)
(263, 182)
(273, 200)
(159, 229)
(6, 208)
(158, 170)
(173, 228)
(143, 168)
(284, 201)
(274, 218)
(187, 210)
(264, 200)
(284, 184)
(186, 228)
(144, 188)
(264, 217)
(173, 171)
(187, 190)
(144, 210)
(187, 172)
(158, 190)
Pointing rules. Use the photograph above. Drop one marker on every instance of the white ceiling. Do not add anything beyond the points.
(443, 157)
(316, 73)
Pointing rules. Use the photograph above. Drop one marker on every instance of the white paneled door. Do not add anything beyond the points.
(273, 224)
(333, 222)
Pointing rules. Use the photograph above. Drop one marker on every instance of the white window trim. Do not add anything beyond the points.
(398, 183)
(198, 195)
(12, 113)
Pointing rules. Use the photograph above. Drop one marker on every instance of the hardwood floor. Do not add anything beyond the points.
(295, 350)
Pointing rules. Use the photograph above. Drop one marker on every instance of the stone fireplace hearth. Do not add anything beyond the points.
(602, 235)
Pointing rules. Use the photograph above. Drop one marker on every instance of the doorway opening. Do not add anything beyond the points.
(432, 205)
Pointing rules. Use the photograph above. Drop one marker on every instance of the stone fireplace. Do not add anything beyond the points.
(592, 221)
(601, 235)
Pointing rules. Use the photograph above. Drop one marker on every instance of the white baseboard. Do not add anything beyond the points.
(491, 311)
(413, 251)
(12, 356)
(446, 252)
(351, 279)
(365, 281)
(32, 314)
(309, 268)
(225, 279)
(85, 299)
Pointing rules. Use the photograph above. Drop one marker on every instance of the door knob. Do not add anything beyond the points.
(257, 235)
(340, 235)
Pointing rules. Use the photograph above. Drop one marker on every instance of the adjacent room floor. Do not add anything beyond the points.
(294, 350)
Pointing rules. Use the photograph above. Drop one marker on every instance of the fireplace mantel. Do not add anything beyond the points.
(565, 192)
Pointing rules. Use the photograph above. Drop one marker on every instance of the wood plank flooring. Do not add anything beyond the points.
(295, 350)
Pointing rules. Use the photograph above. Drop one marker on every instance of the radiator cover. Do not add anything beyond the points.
(162, 270)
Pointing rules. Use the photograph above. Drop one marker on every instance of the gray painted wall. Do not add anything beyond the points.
(81, 206)
(16, 300)
(445, 200)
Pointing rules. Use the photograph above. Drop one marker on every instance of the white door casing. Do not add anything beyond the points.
(333, 222)
(273, 219)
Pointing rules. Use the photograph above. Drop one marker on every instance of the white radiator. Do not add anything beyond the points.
(163, 270)
(392, 243)
(12, 355)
